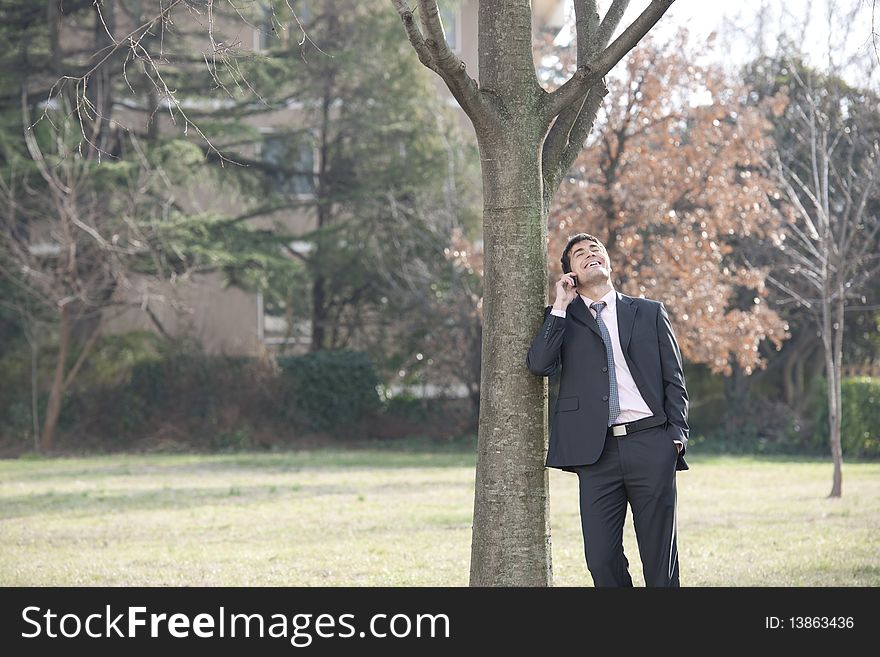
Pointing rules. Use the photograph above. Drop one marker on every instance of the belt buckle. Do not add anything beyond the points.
(618, 430)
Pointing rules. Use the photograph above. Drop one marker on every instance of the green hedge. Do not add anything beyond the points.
(136, 392)
(329, 389)
(205, 400)
(860, 424)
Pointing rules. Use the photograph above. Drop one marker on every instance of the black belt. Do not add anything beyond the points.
(621, 430)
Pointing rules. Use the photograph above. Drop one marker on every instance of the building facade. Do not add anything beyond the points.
(231, 320)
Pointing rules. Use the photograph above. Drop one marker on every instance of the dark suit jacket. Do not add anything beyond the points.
(574, 344)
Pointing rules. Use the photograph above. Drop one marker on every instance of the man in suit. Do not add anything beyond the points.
(621, 414)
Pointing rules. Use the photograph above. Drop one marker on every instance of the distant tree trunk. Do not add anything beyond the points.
(319, 310)
(474, 369)
(100, 90)
(53, 19)
(792, 370)
(736, 392)
(326, 187)
(832, 334)
(56, 391)
(35, 388)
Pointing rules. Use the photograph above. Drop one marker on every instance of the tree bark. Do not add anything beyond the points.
(53, 18)
(56, 392)
(792, 369)
(511, 532)
(35, 388)
(100, 89)
(834, 357)
(320, 302)
(736, 392)
(319, 310)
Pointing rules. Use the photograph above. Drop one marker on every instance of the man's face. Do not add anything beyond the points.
(589, 261)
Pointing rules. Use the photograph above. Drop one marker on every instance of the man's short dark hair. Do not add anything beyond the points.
(574, 239)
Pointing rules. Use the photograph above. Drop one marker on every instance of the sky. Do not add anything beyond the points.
(806, 21)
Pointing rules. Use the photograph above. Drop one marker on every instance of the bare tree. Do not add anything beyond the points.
(71, 245)
(825, 32)
(528, 138)
(831, 179)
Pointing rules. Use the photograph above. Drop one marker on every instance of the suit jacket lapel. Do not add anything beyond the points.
(626, 316)
(581, 313)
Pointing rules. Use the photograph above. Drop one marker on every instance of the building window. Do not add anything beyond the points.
(450, 14)
(274, 325)
(295, 155)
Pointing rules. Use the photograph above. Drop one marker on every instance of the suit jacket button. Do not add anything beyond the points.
(605, 398)
(604, 369)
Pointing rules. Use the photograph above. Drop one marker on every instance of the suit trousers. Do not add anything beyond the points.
(638, 469)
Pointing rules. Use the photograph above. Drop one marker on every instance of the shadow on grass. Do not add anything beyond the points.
(714, 457)
(411, 453)
(100, 502)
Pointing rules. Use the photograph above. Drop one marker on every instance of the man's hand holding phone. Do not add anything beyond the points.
(566, 291)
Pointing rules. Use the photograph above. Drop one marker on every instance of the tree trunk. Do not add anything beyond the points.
(475, 346)
(834, 424)
(736, 393)
(511, 531)
(834, 360)
(810, 369)
(320, 313)
(100, 88)
(56, 393)
(35, 387)
(319, 310)
(832, 374)
(792, 369)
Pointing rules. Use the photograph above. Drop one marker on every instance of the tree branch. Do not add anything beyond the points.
(571, 128)
(415, 36)
(611, 21)
(587, 27)
(793, 196)
(588, 43)
(806, 303)
(435, 54)
(588, 74)
(583, 125)
(859, 212)
(82, 357)
(564, 147)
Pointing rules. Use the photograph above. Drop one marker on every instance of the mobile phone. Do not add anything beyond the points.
(575, 279)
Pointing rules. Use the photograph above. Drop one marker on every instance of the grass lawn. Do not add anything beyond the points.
(382, 517)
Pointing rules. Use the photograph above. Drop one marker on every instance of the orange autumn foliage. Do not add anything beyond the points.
(675, 181)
